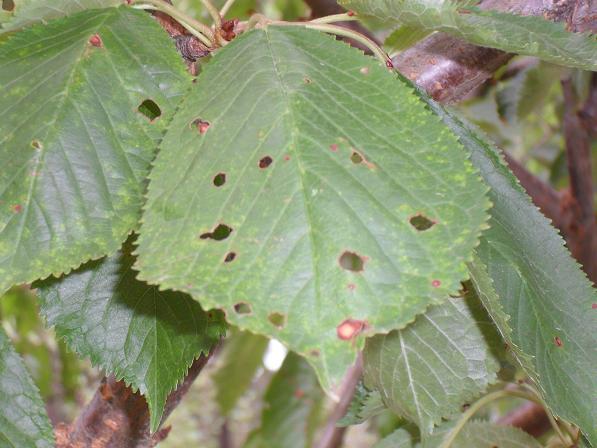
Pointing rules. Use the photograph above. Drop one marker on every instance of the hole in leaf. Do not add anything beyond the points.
(202, 125)
(356, 158)
(150, 109)
(265, 162)
(352, 262)
(8, 5)
(421, 222)
(219, 233)
(220, 179)
(230, 256)
(349, 329)
(242, 308)
(278, 320)
(36, 144)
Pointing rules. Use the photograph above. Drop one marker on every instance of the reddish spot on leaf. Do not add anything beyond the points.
(334, 147)
(299, 393)
(594, 306)
(349, 329)
(558, 341)
(352, 286)
(96, 41)
(264, 162)
(389, 64)
(287, 157)
(202, 125)
(436, 283)
(350, 13)
(18, 208)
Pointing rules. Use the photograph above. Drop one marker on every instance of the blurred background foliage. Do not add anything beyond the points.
(251, 381)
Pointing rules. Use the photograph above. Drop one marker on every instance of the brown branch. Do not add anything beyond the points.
(581, 227)
(118, 418)
(333, 435)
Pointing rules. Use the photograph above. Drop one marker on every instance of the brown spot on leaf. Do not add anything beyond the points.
(264, 162)
(96, 41)
(150, 109)
(307, 80)
(351, 261)
(219, 179)
(221, 232)
(314, 353)
(230, 256)
(278, 320)
(349, 329)
(421, 222)
(242, 308)
(36, 144)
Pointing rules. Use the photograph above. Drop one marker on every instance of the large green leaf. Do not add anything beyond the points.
(27, 12)
(23, 419)
(74, 150)
(532, 279)
(304, 208)
(529, 35)
(241, 357)
(292, 406)
(146, 337)
(444, 359)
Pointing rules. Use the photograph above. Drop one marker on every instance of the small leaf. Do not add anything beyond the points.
(241, 357)
(535, 292)
(325, 251)
(74, 150)
(365, 404)
(28, 12)
(23, 419)
(400, 438)
(428, 370)
(292, 406)
(146, 337)
(528, 35)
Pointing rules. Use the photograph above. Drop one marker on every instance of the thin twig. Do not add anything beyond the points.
(332, 435)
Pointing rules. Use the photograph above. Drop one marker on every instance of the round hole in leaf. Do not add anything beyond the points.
(265, 162)
(421, 222)
(351, 261)
(230, 256)
(8, 5)
(221, 232)
(356, 158)
(349, 329)
(150, 109)
(242, 308)
(219, 179)
(278, 320)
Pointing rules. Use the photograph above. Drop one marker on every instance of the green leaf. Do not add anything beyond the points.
(74, 150)
(483, 435)
(241, 357)
(365, 404)
(146, 337)
(528, 35)
(292, 406)
(404, 37)
(298, 209)
(23, 419)
(535, 292)
(428, 370)
(400, 438)
(28, 12)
